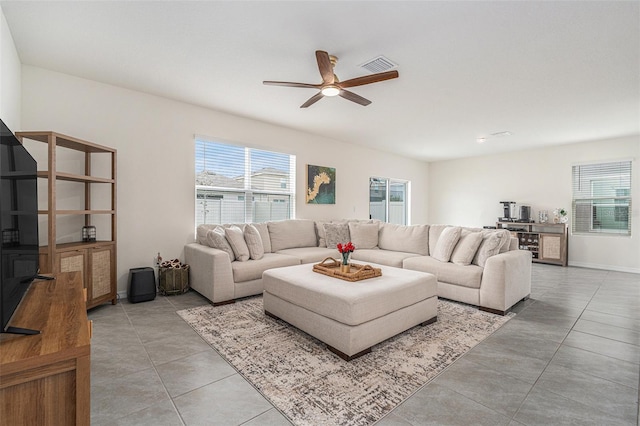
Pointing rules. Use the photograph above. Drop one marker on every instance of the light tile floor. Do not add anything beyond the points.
(570, 356)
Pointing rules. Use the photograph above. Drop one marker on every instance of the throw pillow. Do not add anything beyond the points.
(490, 246)
(236, 241)
(263, 229)
(505, 241)
(254, 242)
(434, 234)
(446, 243)
(201, 233)
(322, 238)
(364, 235)
(216, 239)
(466, 248)
(336, 233)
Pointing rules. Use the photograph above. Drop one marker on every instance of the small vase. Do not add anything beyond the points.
(345, 268)
(543, 216)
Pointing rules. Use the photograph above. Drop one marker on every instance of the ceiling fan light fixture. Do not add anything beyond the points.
(330, 91)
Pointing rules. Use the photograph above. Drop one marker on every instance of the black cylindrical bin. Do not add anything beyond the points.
(142, 285)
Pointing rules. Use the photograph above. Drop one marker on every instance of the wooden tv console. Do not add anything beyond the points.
(45, 378)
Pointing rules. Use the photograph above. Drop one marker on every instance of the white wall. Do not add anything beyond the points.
(154, 139)
(10, 86)
(468, 192)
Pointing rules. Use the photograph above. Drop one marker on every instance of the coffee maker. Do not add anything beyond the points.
(509, 211)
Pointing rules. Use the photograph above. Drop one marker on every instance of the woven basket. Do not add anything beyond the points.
(173, 280)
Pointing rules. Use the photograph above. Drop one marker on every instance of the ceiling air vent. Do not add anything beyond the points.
(379, 64)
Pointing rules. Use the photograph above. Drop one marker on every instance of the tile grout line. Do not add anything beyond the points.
(166, 391)
(553, 356)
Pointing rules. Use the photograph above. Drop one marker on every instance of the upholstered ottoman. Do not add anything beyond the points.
(350, 317)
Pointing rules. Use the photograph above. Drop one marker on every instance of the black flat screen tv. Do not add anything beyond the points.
(19, 227)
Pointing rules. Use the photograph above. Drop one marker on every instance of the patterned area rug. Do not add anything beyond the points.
(311, 385)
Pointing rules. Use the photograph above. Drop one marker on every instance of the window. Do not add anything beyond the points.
(602, 198)
(389, 200)
(236, 184)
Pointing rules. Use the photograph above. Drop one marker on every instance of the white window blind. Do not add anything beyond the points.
(236, 184)
(602, 198)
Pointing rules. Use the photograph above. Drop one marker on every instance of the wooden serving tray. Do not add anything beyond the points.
(331, 267)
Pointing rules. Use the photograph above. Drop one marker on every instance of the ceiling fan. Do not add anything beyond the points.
(331, 86)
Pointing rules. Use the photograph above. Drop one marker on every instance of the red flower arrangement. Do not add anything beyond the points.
(346, 250)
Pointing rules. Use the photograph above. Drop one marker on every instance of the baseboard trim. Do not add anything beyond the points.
(605, 267)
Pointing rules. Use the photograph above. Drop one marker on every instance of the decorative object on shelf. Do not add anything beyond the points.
(543, 216)
(346, 251)
(321, 185)
(560, 216)
(88, 233)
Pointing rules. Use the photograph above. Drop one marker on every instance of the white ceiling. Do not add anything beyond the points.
(551, 72)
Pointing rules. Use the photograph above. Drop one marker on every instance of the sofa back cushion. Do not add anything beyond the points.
(364, 235)
(446, 243)
(408, 239)
(292, 233)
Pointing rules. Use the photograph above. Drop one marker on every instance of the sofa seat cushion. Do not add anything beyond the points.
(383, 257)
(466, 276)
(311, 254)
(253, 269)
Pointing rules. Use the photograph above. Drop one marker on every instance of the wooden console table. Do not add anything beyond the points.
(45, 378)
(547, 242)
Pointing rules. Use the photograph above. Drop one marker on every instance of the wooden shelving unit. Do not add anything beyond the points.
(96, 260)
(547, 242)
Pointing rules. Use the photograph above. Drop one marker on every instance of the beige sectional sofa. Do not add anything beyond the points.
(471, 265)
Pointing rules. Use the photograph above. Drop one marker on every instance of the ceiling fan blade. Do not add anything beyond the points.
(325, 67)
(354, 98)
(312, 100)
(368, 79)
(289, 84)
